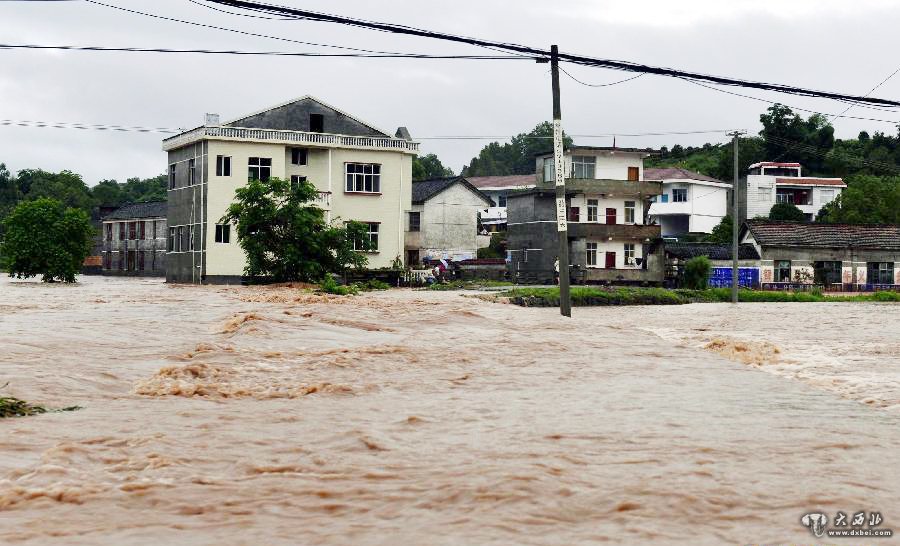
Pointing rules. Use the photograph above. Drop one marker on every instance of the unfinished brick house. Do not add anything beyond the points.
(134, 240)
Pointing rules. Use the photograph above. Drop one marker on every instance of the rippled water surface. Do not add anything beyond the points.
(217, 415)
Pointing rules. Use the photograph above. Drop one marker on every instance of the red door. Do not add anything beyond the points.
(610, 216)
(610, 260)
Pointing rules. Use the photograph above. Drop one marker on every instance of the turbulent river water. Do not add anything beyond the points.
(238, 415)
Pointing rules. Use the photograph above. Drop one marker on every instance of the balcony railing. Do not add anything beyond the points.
(289, 137)
(322, 199)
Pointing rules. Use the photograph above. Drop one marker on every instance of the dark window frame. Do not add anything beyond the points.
(417, 224)
(299, 156)
(223, 165)
(259, 168)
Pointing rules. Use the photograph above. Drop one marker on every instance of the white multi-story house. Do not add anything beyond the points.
(769, 183)
(362, 173)
(690, 202)
(607, 199)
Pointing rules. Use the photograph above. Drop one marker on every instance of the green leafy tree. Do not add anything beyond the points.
(722, 233)
(428, 167)
(43, 237)
(696, 272)
(866, 200)
(65, 186)
(286, 238)
(786, 212)
(516, 156)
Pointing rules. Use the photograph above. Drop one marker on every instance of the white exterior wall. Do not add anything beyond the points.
(449, 224)
(604, 203)
(609, 165)
(325, 169)
(761, 191)
(706, 205)
(604, 246)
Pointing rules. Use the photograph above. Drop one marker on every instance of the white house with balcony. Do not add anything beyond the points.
(362, 173)
(690, 202)
(498, 188)
(769, 183)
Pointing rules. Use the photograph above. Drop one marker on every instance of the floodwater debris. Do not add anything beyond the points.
(14, 407)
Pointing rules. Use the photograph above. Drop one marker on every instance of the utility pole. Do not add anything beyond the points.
(735, 221)
(559, 165)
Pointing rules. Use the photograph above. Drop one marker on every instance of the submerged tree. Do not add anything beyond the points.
(286, 237)
(42, 237)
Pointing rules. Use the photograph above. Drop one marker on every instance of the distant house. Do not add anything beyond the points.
(361, 173)
(610, 240)
(855, 256)
(134, 240)
(498, 189)
(443, 220)
(690, 202)
(769, 183)
(677, 255)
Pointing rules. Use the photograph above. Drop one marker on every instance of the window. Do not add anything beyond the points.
(171, 245)
(160, 229)
(592, 208)
(634, 174)
(316, 123)
(259, 168)
(363, 178)
(132, 231)
(583, 166)
(107, 260)
(132, 262)
(826, 196)
(415, 221)
(549, 172)
(679, 195)
(192, 172)
(629, 254)
(501, 200)
(591, 259)
(783, 271)
(142, 231)
(172, 176)
(827, 272)
(180, 246)
(784, 198)
(372, 234)
(765, 194)
(574, 214)
(299, 156)
(296, 181)
(141, 263)
(153, 225)
(223, 233)
(880, 273)
(223, 165)
(664, 198)
(108, 233)
(629, 212)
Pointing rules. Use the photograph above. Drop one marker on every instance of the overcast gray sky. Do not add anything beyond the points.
(835, 45)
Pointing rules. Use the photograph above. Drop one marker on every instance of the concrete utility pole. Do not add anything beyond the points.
(559, 165)
(735, 221)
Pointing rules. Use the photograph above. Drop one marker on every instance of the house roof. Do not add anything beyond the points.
(424, 190)
(794, 234)
(794, 181)
(675, 173)
(773, 164)
(512, 181)
(713, 251)
(153, 209)
(312, 98)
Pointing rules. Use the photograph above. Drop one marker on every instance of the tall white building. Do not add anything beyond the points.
(690, 202)
(769, 183)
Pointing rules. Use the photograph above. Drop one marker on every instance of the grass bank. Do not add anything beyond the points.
(473, 284)
(585, 296)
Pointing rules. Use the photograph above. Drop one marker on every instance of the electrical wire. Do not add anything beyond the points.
(563, 70)
(264, 53)
(565, 57)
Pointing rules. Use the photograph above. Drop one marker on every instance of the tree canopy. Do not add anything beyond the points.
(722, 233)
(428, 167)
(516, 156)
(866, 200)
(43, 237)
(787, 212)
(286, 238)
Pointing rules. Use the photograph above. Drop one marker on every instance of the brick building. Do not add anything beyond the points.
(134, 240)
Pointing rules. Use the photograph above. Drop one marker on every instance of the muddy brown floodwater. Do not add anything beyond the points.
(216, 415)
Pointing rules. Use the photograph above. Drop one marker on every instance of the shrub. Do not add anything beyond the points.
(330, 286)
(696, 272)
(786, 212)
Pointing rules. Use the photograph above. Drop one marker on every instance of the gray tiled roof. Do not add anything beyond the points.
(153, 209)
(713, 251)
(424, 190)
(769, 233)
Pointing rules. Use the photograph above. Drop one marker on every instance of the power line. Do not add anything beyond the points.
(563, 70)
(267, 53)
(577, 59)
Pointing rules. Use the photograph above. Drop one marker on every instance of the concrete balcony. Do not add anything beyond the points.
(666, 209)
(608, 188)
(322, 200)
(310, 140)
(614, 231)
